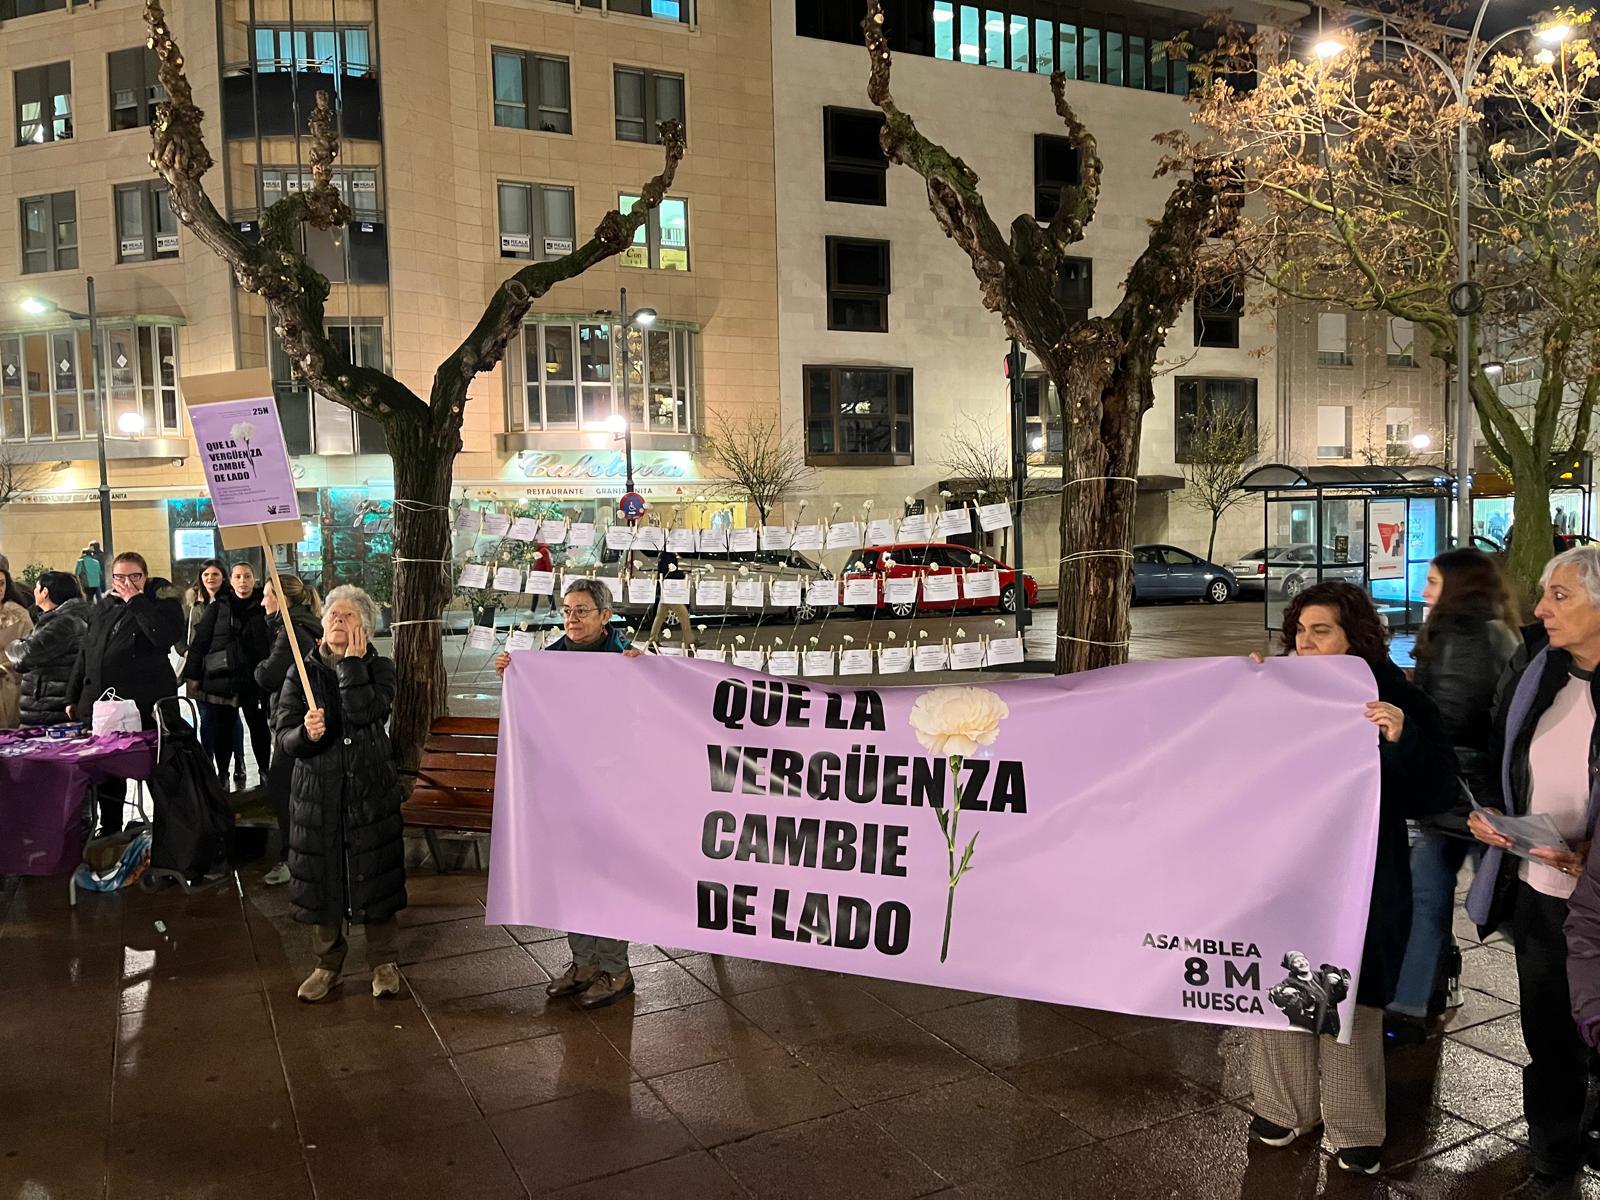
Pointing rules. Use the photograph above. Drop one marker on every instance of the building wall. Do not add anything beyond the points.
(937, 324)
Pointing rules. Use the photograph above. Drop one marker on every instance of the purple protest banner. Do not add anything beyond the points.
(245, 460)
(1152, 839)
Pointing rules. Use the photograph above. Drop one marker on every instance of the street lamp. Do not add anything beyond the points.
(622, 423)
(37, 306)
(1421, 443)
(1466, 299)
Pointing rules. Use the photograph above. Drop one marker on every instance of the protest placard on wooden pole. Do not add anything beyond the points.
(234, 415)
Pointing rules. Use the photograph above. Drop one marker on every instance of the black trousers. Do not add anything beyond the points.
(225, 723)
(1555, 1083)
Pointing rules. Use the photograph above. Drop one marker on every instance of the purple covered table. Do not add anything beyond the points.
(42, 787)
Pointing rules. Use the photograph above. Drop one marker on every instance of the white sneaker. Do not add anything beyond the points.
(278, 874)
(386, 980)
(317, 985)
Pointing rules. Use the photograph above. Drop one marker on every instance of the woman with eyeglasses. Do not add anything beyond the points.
(131, 631)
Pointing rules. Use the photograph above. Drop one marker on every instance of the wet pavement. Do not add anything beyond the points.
(153, 1046)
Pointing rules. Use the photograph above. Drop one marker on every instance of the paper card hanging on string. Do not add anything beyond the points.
(524, 529)
(881, 532)
(481, 637)
(981, 585)
(994, 516)
(844, 535)
(818, 662)
(806, 537)
(668, 650)
(940, 588)
(785, 593)
(620, 537)
(894, 660)
(747, 593)
(468, 520)
(681, 541)
(642, 591)
(863, 590)
(954, 520)
(714, 541)
(932, 656)
(822, 593)
(742, 541)
(473, 575)
(580, 533)
(651, 537)
(711, 654)
(553, 533)
(775, 537)
(855, 662)
(496, 524)
(234, 415)
(916, 529)
(751, 660)
(521, 639)
(508, 579)
(902, 590)
(966, 656)
(711, 593)
(784, 662)
(1003, 651)
(540, 583)
(675, 591)
(613, 585)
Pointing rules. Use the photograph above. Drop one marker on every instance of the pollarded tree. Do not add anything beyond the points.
(1103, 367)
(424, 435)
(1350, 161)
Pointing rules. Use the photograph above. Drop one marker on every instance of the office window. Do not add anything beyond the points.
(50, 233)
(644, 100)
(135, 88)
(1056, 164)
(1217, 310)
(536, 221)
(313, 49)
(662, 241)
(1333, 431)
(568, 375)
(1333, 340)
(858, 416)
(1069, 50)
(855, 169)
(532, 91)
(146, 226)
(1075, 287)
(858, 285)
(44, 104)
(1402, 343)
(1199, 398)
(358, 186)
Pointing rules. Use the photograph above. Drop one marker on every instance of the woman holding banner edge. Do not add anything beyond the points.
(1299, 1082)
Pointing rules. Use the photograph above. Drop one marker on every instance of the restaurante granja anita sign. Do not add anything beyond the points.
(584, 466)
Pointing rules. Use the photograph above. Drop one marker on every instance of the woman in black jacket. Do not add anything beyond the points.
(1298, 1081)
(131, 632)
(229, 642)
(1461, 654)
(304, 620)
(346, 837)
(44, 659)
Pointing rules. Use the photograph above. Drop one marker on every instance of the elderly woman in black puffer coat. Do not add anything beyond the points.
(346, 844)
(44, 659)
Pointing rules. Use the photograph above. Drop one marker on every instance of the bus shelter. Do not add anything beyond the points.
(1374, 526)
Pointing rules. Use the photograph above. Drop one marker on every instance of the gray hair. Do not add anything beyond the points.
(1585, 561)
(599, 594)
(366, 607)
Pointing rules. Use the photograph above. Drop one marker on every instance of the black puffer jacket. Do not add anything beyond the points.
(1460, 660)
(238, 627)
(346, 849)
(278, 665)
(126, 648)
(45, 659)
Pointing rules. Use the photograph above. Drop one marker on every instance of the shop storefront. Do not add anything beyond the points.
(1571, 501)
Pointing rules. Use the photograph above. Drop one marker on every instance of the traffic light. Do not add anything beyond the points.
(1016, 362)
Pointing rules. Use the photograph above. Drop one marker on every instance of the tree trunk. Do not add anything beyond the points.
(1211, 543)
(1096, 576)
(422, 470)
(1532, 531)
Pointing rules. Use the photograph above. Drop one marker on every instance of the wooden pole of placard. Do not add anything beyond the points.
(288, 621)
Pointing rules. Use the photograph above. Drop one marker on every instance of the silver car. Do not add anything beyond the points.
(1291, 569)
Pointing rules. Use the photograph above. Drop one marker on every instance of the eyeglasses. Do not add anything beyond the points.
(128, 578)
(577, 612)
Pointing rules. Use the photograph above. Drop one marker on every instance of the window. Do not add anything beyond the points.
(644, 100)
(536, 221)
(840, 21)
(680, 11)
(1075, 287)
(1217, 310)
(314, 424)
(663, 240)
(28, 8)
(135, 88)
(1397, 432)
(1402, 343)
(532, 91)
(50, 233)
(141, 371)
(1333, 340)
(1042, 415)
(307, 49)
(1200, 398)
(1333, 431)
(858, 285)
(569, 375)
(146, 226)
(44, 104)
(858, 416)
(1055, 166)
(358, 186)
(854, 166)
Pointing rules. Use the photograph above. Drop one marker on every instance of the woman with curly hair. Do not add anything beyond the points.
(1301, 1080)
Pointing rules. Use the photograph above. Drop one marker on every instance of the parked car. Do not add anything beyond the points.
(933, 558)
(769, 564)
(1293, 568)
(1168, 573)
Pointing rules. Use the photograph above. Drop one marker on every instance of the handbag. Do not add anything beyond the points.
(216, 668)
(112, 714)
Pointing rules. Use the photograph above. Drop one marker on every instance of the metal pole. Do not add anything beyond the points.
(1463, 345)
(1019, 470)
(100, 427)
(627, 411)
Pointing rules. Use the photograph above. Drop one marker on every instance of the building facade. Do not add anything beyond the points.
(475, 137)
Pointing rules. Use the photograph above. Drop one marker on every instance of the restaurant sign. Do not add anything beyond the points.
(605, 472)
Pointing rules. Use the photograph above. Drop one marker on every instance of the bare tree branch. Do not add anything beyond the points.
(19, 472)
(1222, 441)
(752, 461)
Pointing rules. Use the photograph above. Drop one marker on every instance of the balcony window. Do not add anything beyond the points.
(644, 100)
(50, 233)
(147, 228)
(662, 242)
(135, 87)
(44, 104)
(532, 91)
(568, 375)
(536, 221)
(858, 416)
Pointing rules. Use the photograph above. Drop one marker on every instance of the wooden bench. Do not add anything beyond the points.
(454, 786)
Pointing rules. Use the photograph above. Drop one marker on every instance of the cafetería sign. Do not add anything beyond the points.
(605, 472)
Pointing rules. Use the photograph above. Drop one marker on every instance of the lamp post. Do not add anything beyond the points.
(37, 306)
(622, 423)
(1466, 299)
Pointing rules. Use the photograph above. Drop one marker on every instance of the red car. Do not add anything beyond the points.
(925, 561)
